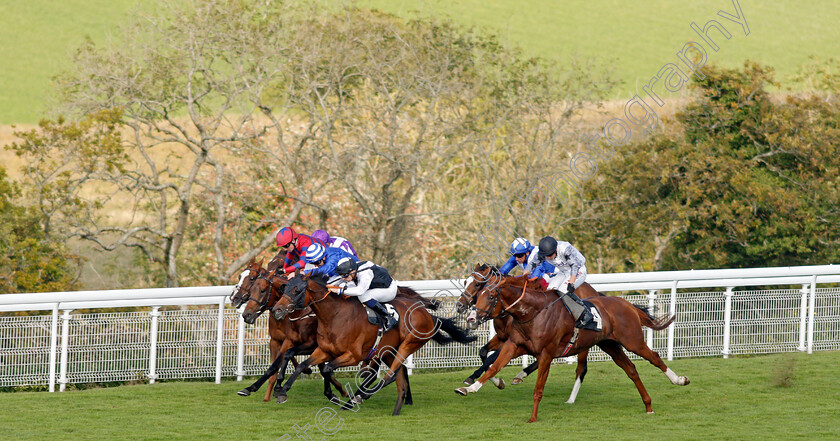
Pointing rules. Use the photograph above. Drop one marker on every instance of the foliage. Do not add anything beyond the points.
(29, 261)
(743, 181)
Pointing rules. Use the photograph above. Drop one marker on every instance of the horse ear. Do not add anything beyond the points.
(477, 267)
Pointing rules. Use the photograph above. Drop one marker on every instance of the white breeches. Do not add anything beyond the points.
(560, 281)
(380, 294)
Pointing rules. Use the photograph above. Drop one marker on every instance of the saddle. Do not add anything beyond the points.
(374, 320)
(595, 324)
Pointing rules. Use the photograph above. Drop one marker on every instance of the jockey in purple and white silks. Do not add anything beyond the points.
(569, 272)
(371, 284)
(335, 242)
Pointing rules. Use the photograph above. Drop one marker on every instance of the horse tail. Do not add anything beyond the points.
(456, 333)
(410, 294)
(655, 323)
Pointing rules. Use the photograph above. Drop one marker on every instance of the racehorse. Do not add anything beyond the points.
(242, 289)
(543, 326)
(293, 335)
(346, 338)
(484, 274)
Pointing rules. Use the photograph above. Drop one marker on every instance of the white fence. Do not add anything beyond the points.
(180, 336)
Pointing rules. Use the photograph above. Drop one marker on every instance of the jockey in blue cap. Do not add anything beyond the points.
(521, 253)
(324, 259)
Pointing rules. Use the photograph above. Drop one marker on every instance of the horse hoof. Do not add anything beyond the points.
(532, 420)
(686, 381)
(650, 413)
(469, 381)
(516, 380)
(358, 399)
(461, 391)
(244, 392)
(498, 382)
(281, 399)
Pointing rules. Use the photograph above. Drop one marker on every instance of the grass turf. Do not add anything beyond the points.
(782, 396)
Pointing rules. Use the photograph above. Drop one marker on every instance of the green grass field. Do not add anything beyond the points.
(735, 399)
(36, 36)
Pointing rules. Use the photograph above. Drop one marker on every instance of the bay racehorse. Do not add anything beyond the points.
(484, 275)
(242, 289)
(293, 335)
(543, 326)
(346, 338)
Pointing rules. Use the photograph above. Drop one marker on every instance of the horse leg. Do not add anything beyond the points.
(491, 345)
(317, 357)
(613, 349)
(544, 361)
(274, 351)
(401, 389)
(289, 353)
(580, 372)
(328, 379)
(408, 399)
(520, 377)
(508, 351)
(638, 346)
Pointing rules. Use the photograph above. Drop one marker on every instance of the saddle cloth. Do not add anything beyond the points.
(371, 316)
(595, 324)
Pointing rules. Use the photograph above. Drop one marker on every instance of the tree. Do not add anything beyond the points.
(29, 261)
(744, 181)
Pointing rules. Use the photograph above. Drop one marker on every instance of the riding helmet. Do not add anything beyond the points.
(315, 252)
(346, 266)
(285, 236)
(321, 235)
(520, 245)
(548, 246)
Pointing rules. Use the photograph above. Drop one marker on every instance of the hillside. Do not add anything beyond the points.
(38, 35)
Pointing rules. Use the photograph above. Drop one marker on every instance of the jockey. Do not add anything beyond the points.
(335, 242)
(567, 271)
(371, 284)
(325, 259)
(295, 246)
(521, 254)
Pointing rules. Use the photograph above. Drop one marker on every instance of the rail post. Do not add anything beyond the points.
(240, 346)
(651, 304)
(671, 328)
(65, 342)
(220, 332)
(811, 303)
(727, 321)
(803, 317)
(53, 346)
(153, 334)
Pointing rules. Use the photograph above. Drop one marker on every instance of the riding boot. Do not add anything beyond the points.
(385, 319)
(579, 311)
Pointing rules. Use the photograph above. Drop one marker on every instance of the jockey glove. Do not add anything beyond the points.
(571, 288)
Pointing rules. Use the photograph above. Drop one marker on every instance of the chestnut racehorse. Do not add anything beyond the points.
(484, 275)
(543, 326)
(346, 338)
(293, 335)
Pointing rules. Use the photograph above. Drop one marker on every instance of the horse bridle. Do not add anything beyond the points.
(263, 304)
(471, 298)
(506, 309)
(239, 287)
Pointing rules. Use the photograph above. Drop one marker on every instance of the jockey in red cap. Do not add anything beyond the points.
(295, 246)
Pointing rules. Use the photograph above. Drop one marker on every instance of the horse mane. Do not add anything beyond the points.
(320, 279)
